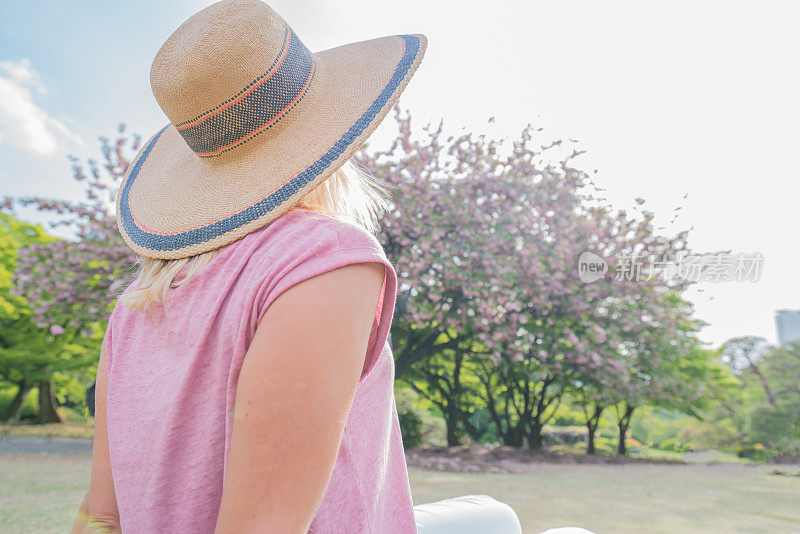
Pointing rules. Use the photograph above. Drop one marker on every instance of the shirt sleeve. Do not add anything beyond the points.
(329, 245)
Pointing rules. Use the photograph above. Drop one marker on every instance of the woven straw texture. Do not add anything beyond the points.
(256, 122)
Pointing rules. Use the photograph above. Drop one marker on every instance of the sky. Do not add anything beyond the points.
(690, 105)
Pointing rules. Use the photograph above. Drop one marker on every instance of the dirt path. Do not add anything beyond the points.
(36, 445)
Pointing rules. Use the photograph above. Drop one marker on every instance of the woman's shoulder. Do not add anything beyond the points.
(302, 228)
(304, 244)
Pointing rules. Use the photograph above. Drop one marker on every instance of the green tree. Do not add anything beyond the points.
(16, 328)
(28, 354)
(776, 423)
(672, 369)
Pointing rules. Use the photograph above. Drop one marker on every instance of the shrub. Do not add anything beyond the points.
(410, 427)
(417, 425)
(673, 445)
(756, 452)
(702, 435)
(788, 446)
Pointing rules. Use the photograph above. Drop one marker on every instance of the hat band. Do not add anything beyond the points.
(257, 107)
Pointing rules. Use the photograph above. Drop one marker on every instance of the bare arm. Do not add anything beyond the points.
(295, 390)
(98, 512)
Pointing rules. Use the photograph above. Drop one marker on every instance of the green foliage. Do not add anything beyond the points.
(419, 423)
(652, 425)
(481, 419)
(29, 406)
(70, 390)
(789, 446)
(769, 424)
(604, 444)
(446, 379)
(25, 349)
(569, 412)
(410, 421)
(74, 415)
(673, 445)
(671, 429)
(707, 435)
(772, 378)
(411, 428)
(756, 452)
(31, 352)
(14, 234)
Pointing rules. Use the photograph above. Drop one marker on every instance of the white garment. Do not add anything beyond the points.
(469, 514)
(474, 514)
(567, 530)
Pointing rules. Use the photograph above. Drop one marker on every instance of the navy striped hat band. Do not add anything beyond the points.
(257, 106)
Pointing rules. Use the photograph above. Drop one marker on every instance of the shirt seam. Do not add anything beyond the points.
(367, 511)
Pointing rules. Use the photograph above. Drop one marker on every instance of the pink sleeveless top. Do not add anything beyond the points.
(172, 376)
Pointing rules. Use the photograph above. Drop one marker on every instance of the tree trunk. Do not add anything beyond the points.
(764, 383)
(536, 419)
(623, 423)
(591, 428)
(513, 436)
(535, 438)
(47, 404)
(590, 443)
(452, 425)
(14, 410)
(510, 435)
(471, 430)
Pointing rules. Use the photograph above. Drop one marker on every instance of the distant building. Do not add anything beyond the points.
(788, 324)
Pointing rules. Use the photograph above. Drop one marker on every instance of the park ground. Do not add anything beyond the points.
(40, 492)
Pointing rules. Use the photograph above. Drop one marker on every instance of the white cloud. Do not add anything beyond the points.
(22, 122)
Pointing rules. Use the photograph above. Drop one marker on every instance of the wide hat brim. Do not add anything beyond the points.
(174, 204)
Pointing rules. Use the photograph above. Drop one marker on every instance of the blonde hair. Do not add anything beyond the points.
(350, 194)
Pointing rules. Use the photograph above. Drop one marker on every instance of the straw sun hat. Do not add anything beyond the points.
(256, 122)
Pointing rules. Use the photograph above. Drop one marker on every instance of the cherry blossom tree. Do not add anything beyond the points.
(486, 244)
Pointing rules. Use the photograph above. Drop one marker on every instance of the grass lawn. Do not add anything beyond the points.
(41, 493)
(68, 429)
(635, 498)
